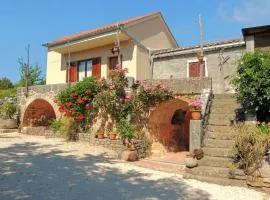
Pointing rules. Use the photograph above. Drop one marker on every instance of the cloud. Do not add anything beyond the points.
(245, 10)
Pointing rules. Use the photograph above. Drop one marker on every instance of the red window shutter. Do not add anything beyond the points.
(96, 68)
(72, 73)
(194, 69)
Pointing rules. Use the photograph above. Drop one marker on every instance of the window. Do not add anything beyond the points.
(194, 69)
(81, 69)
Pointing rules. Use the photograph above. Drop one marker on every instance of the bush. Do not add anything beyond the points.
(5, 83)
(8, 93)
(126, 130)
(250, 147)
(66, 126)
(8, 110)
(252, 83)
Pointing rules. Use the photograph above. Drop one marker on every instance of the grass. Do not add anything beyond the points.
(8, 93)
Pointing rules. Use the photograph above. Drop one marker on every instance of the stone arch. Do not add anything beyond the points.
(39, 111)
(165, 129)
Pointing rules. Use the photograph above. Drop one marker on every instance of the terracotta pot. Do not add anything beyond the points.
(195, 114)
(100, 135)
(129, 155)
(191, 162)
(112, 136)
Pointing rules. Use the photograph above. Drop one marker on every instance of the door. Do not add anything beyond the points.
(96, 67)
(194, 69)
(71, 73)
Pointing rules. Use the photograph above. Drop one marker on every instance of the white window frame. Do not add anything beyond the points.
(196, 60)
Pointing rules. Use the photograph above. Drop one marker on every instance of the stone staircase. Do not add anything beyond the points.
(217, 145)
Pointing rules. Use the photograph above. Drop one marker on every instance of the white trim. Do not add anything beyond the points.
(196, 60)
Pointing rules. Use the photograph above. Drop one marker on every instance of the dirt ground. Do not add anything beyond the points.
(39, 168)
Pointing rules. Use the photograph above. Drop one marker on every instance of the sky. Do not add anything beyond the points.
(36, 22)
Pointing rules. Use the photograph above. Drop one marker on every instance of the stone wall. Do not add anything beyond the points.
(220, 65)
(41, 92)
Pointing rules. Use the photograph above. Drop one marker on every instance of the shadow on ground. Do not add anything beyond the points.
(28, 174)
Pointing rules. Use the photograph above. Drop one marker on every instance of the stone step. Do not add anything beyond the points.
(224, 96)
(161, 166)
(217, 180)
(227, 116)
(220, 129)
(219, 135)
(215, 161)
(225, 104)
(217, 143)
(8, 130)
(220, 122)
(220, 172)
(218, 152)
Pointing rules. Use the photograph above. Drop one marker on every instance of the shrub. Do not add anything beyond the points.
(8, 93)
(67, 127)
(126, 129)
(8, 110)
(252, 83)
(5, 83)
(249, 147)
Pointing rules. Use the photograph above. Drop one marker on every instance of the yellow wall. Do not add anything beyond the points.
(55, 72)
(143, 64)
(151, 33)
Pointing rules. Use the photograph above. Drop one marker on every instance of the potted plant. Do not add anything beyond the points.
(7, 116)
(195, 108)
(100, 133)
(113, 134)
(190, 160)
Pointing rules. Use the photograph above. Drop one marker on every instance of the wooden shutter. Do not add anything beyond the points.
(194, 69)
(96, 68)
(72, 73)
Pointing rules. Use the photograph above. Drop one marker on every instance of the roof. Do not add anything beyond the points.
(255, 30)
(207, 47)
(102, 29)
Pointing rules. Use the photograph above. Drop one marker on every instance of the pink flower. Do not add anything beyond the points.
(125, 70)
(87, 106)
(80, 117)
(68, 104)
(118, 66)
(146, 87)
(88, 91)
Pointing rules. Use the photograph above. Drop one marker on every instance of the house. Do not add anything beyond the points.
(74, 57)
(219, 63)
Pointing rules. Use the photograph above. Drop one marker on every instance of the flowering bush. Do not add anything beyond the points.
(195, 104)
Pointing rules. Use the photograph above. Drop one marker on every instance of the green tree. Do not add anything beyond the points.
(252, 82)
(32, 73)
(5, 83)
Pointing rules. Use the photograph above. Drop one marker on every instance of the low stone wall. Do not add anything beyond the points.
(118, 147)
(187, 85)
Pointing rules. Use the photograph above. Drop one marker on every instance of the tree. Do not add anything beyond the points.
(5, 84)
(252, 83)
(31, 73)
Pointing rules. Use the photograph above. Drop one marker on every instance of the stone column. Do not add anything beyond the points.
(195, 131)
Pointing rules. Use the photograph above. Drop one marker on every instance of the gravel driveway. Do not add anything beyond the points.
(37, 168)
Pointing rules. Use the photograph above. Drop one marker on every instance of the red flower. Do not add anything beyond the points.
(87, 106)
(88, 91)
(80, 117)
(68, 104)
(62, 109)
(79, 100)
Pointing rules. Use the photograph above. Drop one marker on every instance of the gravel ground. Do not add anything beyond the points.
(37, 168)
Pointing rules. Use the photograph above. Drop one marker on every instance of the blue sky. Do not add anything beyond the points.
(37, 22)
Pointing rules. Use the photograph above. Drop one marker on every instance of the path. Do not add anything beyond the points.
(37, 168)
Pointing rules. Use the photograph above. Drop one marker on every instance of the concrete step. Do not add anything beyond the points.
(217, 180)
(227, 116)
(218, 152)
(8, 130)
(224, 96)
(220, 122)
(161, 166)
(219, 135)
(220, 172)
(208, 142)
(220, 129)
(215, 161)
(225, 104)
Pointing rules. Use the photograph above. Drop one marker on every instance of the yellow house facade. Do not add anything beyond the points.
(74, 57)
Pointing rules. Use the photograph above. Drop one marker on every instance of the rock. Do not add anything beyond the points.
(8, 123)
